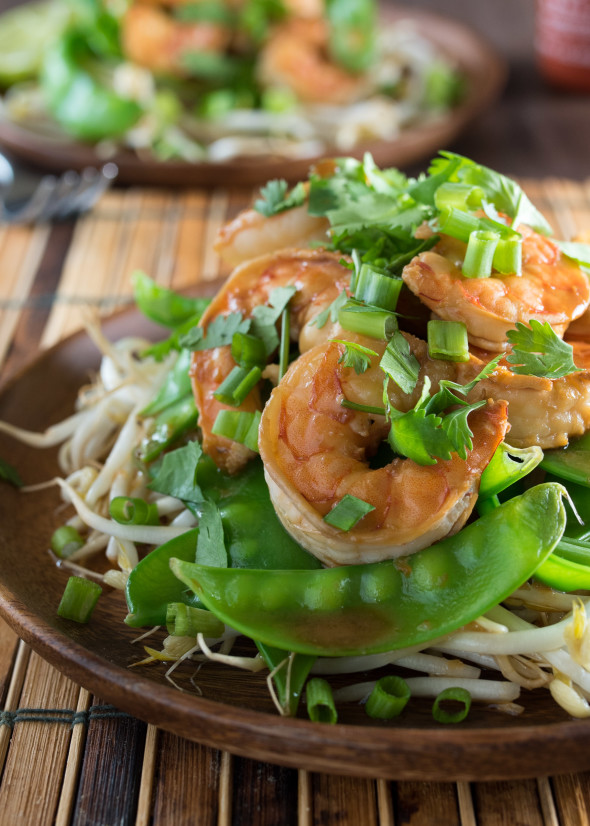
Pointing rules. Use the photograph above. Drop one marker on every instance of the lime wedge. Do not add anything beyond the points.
(25, 33)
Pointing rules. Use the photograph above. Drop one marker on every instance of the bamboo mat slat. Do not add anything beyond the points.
(96, 765)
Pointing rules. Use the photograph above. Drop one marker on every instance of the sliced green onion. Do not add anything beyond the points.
(65, 541)
(320, 701)
(236, 386)
(363, 408)
(508, 465)
(347, 512)
(457, 223)
(508, 255)
(285, 343)
(248, 350)
(388, 698)
(368, 321)
(79, 598)
(458, 196)
(376, 288)
(239, 426)
(451, 695)
(186, 621)
(480, 254)
(447, 340)
(133, 511)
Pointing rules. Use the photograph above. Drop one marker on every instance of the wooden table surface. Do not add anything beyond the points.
(67, 757)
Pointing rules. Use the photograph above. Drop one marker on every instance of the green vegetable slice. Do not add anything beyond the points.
(393, 604)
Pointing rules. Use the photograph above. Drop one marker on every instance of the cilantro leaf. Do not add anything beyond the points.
(219, 333)
(355, 355)
(275, 198)
(331, 311)
(177, 474)
(576, 251)
(10, 474)
(457, 428)
(211, 548)
(265, 317)
(448, 389)
(538, 351)
(400, 364)
(420, 437)
(161, 349)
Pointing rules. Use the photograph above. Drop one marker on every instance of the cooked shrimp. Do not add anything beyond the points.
(319, 278)
(251, 234)
(543, 412)
(315, 451)
(295, 56)
(152, 38)
(551, 288)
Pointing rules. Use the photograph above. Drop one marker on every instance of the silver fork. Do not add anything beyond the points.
(54, 198)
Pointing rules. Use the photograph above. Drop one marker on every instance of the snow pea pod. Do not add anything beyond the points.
(364, 609)
(254, 537)
(571, 463)
(84, 107)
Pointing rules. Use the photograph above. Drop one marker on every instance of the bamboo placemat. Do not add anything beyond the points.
(67, 757)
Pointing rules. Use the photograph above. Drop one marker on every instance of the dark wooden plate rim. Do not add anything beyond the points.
(484, 70)
(433, 753)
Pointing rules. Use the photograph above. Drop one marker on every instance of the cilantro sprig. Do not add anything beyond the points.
(355, 355)
(275, 198)
(537, 350)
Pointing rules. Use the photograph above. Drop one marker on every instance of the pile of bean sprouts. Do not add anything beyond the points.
(538, 638)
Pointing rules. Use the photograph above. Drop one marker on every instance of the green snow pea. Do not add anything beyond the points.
(173, 422)
(571, 463)
(370, 608)
(80, 103)
(289, 678)
(254, 538)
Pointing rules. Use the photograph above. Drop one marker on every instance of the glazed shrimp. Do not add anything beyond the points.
(315, 451)
(543, 412)
(153, 39)
(251, 234)
(319, 278)
(551, 288)
(296, 56)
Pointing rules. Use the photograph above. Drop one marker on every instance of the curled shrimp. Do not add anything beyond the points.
(296, 56)
(252, 234)
(319, 278)
(315, 451)
(153, 39)
(541, 411)
(551, 288)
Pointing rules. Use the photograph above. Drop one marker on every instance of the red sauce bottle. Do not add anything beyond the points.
(562, 43)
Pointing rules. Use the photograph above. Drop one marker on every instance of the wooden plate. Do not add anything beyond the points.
(234, 711)
(484, 71)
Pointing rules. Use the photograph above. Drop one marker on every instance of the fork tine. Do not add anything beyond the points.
(79, 194)
(93, 185)
(34, 206)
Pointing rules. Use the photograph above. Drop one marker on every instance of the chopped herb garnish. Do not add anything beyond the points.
(274, 198)
(537, 350)
(331, 311)
(400, 364)
(348, 512)
(355, 355)
(176, 475)
(210, 542)
(219, 333)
